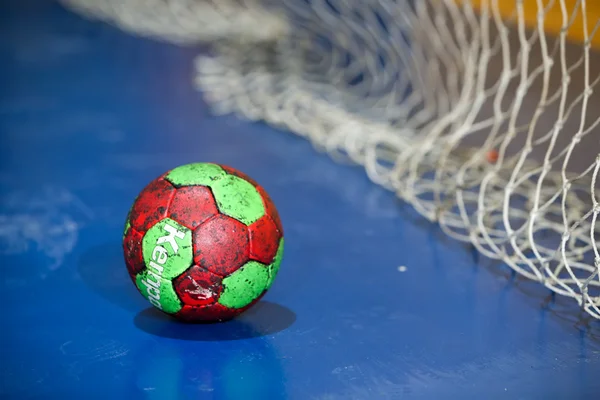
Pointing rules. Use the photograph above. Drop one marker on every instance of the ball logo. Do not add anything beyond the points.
(160, 255)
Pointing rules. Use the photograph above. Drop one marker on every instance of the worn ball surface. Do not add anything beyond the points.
(203, 242)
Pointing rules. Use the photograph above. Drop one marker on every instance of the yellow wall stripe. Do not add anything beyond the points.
(553, 20)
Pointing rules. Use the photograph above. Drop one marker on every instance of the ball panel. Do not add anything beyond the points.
(167, 248)
(127, 226)
(132, 247)
(151, 205)
(268, 204)
(239, 174)
(244, 285)
(270, 208)
(214, 312)
(127, 222)
(198, 287)
(264, 240)
(159, 292)
(274, 266)
(221, 245)
(195, 174)
(192, 205)
(238, 199)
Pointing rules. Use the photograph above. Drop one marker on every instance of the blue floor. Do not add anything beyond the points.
(89, 115)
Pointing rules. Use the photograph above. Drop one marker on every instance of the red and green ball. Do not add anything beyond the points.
(203, 242)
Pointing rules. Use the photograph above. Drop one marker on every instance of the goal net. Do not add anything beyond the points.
(482, 114)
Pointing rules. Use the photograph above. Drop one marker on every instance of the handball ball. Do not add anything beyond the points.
(203, 242)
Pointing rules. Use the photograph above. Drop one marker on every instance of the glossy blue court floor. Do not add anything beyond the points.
(89, 115)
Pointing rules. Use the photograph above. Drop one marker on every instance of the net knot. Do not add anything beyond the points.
(559, 125)
(547, 167)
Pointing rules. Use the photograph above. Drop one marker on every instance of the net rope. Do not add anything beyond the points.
(485, 120)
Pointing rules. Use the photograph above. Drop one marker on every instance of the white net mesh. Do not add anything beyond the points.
(481, 114)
